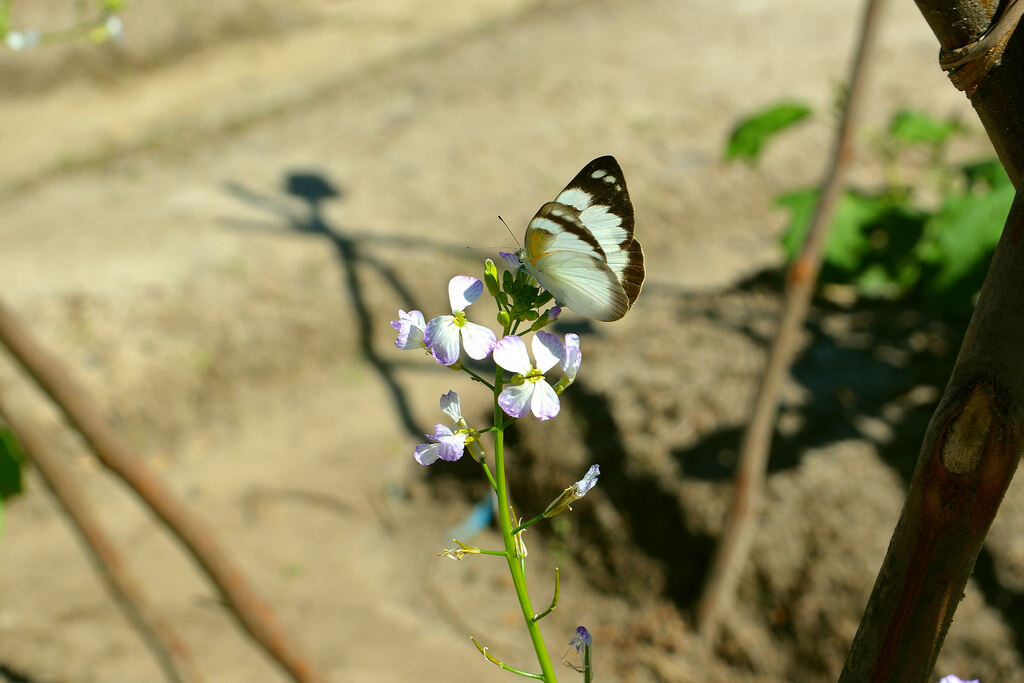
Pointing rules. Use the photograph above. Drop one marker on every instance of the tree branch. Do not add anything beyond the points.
(170, 652)
(968, 458)
(252, 613)
(975, 438)
(999, 97)
(741, 525)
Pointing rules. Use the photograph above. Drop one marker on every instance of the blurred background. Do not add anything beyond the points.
(211, 212)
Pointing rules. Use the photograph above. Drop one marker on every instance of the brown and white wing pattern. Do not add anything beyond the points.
(580, 247)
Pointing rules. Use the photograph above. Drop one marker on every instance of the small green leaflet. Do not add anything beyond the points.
(750, 136)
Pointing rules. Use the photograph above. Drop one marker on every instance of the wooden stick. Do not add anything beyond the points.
(254, 615)
(170, 652)
(738, 536)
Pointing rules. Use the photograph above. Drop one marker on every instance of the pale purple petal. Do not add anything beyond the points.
(410, 330)
(547, 350)
(573, 356)
(442, 336)
(588, 481)
(545, 401)
(478, 340)
(462, 291)
(451, 406)
(554, 312)
(510, 353)
(426, 453)
(452, 447)
(515, 400)
(445, 445)
(511, 258)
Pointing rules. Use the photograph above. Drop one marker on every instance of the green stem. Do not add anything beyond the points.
(478, 378)
(526, 524)
(515, 566)
(490, 477)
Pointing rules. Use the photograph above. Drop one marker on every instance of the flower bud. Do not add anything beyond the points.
(491, 277)
(573, 493)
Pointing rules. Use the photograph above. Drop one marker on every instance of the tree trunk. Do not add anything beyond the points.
(976, 435)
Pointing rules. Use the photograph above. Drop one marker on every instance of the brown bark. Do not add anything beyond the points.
(975, 438)
(999, 98)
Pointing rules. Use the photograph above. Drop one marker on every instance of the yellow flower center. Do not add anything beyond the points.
(534, 375)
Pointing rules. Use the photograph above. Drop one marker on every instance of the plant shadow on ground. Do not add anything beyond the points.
(354, 253)
(872, 371)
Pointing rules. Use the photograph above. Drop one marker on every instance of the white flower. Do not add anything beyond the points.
(570, 361)
(529, 391)
(443, 444)
(410, 330)
(443, 333)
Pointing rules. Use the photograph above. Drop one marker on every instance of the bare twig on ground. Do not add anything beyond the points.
(741, 524)
(254, 615)
(975, 438)
(170, 652)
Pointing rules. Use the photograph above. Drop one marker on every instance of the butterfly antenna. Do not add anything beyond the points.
(510, 231)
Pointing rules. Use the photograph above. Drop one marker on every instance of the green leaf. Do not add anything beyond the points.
(916, 128)
(986, 171)
(11, 457)
(890, 267)
(749, 137)
(800, 204)
(961, 238)
(871, 243)
(847, 241)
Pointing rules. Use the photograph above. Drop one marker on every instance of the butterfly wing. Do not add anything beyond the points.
(567, 261)
(593, 216)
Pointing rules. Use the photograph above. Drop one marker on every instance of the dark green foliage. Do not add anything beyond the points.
(10, 463)
(10, 467)
(961, 236)
(872, 243)
(749, 137)
(890, 243)
(913, 127)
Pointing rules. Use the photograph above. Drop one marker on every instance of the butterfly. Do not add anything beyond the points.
(580, 247)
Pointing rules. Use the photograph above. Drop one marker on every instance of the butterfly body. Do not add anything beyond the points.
(580, 247)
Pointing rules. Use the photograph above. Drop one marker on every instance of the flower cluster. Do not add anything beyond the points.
(523, 354)
(441, 336)
(527, 390)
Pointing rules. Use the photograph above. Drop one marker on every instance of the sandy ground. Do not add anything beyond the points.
(213, 223)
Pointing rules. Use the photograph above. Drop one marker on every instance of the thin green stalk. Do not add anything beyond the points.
(478, 378)
(490, 477)
(515, 566)
(524, 525)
